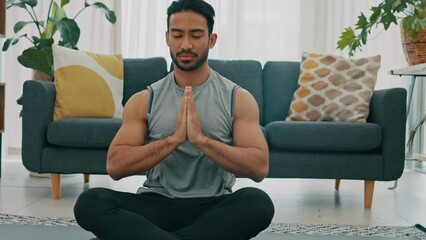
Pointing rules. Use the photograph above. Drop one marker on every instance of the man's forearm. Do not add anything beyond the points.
(126, 160)
(244, 161)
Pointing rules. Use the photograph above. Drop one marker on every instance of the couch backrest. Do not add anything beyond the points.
(272, 87)
(245, 73)
(140, 73)
(279, 84)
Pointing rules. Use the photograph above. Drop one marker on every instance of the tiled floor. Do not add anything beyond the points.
(296, 200)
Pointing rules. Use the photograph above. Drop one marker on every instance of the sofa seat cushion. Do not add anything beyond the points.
(323, 136)
(83, 132)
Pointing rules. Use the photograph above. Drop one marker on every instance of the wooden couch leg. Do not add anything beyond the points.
(368, 193)
(86, 178)
(56, 185)
(337, 184)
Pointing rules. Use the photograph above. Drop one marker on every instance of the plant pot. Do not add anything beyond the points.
(37, 75)
(414, 50)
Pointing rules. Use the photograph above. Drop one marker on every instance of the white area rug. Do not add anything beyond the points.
(349, 230)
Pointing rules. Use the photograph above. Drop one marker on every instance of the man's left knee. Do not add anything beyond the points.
(258, 200)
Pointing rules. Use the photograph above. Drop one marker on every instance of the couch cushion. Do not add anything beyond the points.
(87, 84)
(140, 73)
(83, 132)
(323, 136)
(333, 88)
(280, 82)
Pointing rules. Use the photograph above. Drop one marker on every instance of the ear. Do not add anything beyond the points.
(213, 39)
(167, 38)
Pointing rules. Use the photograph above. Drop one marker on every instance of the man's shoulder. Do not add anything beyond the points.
(223, 80)
(161, 83)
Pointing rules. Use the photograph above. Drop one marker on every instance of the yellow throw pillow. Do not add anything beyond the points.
(333, 88)
(87, 84)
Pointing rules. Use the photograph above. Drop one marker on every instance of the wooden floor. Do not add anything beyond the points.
(296, 200)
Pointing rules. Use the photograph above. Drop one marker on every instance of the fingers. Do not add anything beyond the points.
(183, 110)
(193, 126)
(184, 105)
(192, 107)
(190, 99)
(180, 131)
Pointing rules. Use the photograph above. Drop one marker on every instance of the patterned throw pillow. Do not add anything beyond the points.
(332, 88)
(87, 84)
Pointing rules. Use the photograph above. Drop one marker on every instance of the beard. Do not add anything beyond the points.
(189, 66)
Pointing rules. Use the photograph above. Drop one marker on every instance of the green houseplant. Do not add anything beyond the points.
(39, 56)
(410, 13)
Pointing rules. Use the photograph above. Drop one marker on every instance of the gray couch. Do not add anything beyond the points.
(372, 151)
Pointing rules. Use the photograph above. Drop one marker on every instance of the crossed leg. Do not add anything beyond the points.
(117, 215)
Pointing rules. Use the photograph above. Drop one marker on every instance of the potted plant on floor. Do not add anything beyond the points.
(39, 56)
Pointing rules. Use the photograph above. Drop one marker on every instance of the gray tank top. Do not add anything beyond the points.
(187, 172)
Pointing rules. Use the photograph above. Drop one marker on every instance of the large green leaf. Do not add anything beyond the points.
(21, 24)
(12, 41)
(363, 36)
(64, 2)
(387, 20)
(16, 40)
(399, 5)
(109, 14)
(388, 6)
(15, 3)
(7, 44)
(31, 3)
(376, 14)
(362, 22)
(70, 32)
(45, 43)
(36, 40)
(47, 51)
(347, 37)
(36, 59)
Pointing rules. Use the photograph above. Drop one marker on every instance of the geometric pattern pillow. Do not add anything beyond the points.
(87, 84)
(333, 88)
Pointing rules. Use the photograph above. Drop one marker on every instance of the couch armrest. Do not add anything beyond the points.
(388, 109)
(37, 112)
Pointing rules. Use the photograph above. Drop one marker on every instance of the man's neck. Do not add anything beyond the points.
(193, 78)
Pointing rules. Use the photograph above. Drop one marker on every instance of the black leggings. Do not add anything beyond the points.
(119, 215)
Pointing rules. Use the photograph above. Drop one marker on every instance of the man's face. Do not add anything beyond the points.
(189, 40)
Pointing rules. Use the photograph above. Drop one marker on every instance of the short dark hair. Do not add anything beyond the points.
(198, 6)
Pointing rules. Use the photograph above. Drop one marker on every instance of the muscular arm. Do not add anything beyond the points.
(128, 155)
(249, 157)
